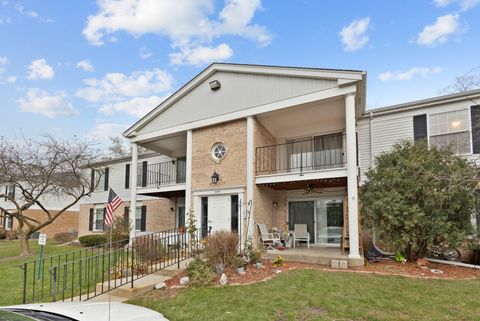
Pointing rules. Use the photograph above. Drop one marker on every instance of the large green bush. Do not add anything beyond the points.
(93, 240)
(417, 195)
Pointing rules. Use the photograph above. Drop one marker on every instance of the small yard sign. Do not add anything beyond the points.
(42, 239)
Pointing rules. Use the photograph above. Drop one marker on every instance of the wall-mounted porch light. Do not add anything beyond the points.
(215, 85)
(215, 177)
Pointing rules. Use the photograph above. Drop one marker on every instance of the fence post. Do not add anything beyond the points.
(178, 250)
(133, 264)
(24, 295)
(54, 284)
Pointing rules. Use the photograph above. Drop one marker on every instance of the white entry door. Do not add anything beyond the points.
(219, 213)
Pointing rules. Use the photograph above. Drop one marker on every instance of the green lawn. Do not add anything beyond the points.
(11, 277)
(316, 295)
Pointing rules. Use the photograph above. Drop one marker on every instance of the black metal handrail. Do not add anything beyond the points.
(76, 278)
(161, 174)
(317, 153)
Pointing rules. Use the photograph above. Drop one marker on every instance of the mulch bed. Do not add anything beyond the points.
(253, 275)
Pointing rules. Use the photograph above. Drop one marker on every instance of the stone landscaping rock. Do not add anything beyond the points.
(185, 280)
(223, 279)
(160, 285)
(422, 262)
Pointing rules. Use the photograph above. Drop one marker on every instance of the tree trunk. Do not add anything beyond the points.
(24, 246)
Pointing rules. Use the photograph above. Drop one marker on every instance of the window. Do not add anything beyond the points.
(218, 151)
(451, 129)
(138, 218)
(8, 222)
(10, 191)
(98, 221)
(101, 183)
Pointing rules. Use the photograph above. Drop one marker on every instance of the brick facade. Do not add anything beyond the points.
(159, 215)
(233, 168)
(66, 222)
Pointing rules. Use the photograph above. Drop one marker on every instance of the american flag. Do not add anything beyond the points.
(113, 203)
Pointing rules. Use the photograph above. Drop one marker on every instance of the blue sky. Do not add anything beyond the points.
(92, 68)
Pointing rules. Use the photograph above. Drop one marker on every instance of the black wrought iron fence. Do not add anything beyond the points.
(161, 174)
(87, 273)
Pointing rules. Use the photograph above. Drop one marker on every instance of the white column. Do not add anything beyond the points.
(133, 188)
(350, 118)
(250, 171)
(188, 178)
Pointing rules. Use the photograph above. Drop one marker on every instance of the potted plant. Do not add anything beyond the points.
(239, 263)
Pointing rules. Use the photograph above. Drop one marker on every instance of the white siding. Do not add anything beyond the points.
(238, 91)
(386, 132)
(116, 180)
(364, 148)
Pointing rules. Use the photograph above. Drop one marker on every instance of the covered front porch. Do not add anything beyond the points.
(314, 255)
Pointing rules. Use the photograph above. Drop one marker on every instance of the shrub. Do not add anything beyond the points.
(252, 253)
(65, 237)
(3, 233)
(418, 196)
(93, 240)
(120, 231)
(200, 273)
(221, 248)
(149, 249)
(11, 235)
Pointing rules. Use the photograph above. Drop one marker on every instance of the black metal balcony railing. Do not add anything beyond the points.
(317, 153)
(162, 174)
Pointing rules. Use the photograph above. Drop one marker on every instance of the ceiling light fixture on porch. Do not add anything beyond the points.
(215, 177)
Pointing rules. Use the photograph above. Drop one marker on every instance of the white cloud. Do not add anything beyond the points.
(201, 55)
(191, 24)
(11, 79)
(145, 53)
(40, 69)
(438, 32)
(102, 131)
(354, 35)
(31, 13)
(114, 86)
(85, 65)
(137, 107)
(408, 74)
(464, 5)
(3, 63)
(45, 104)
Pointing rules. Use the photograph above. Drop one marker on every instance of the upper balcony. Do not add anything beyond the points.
(162, 179)
(319, 157)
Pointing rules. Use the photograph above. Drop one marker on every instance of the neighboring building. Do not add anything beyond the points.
(282, 138)
(152, 213)
(451, 120)
(66, 222)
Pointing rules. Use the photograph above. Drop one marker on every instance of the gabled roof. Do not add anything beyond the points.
(303, 72)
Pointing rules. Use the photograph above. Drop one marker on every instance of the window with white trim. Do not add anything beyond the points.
(101, 182)
(451, 129)
(138, 218)
(98, 219)
(8, 222)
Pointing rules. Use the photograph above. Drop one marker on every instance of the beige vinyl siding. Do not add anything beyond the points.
(386, 132)
(238, 91)
(364, 148)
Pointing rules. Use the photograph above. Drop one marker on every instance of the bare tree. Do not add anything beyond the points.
(117, 147)
(464, 83)
(39, 170)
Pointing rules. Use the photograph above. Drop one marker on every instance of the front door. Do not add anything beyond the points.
(302, 212)
(219, 212)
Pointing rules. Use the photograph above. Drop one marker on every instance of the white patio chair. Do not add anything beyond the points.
(266, 238)
(301, 234)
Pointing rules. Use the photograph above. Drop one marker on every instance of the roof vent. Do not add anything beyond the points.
(215, 85)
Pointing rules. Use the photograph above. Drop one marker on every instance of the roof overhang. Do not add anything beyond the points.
(345, 79)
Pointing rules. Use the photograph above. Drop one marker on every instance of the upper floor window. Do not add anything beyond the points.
(451, 129)
(10, 191)
(218, 151)
(101, 179)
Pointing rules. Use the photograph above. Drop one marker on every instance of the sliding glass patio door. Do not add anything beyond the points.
(302, 212)
(329, 221)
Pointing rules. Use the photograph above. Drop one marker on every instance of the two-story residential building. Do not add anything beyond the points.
(450, 120)
(67, 222)
(152, 213)
(261, 144)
